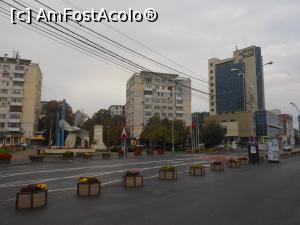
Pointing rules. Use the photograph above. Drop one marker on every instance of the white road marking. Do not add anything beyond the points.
(89, 167)
(24, 182)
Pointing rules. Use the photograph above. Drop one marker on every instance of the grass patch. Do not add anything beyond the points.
(9, 151)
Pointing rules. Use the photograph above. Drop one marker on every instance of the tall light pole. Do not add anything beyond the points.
(297, 109)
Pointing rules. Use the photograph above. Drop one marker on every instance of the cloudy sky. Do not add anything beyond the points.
(188, 32)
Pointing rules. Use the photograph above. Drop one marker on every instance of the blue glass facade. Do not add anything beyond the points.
(259, 79)
(230, 88)
(267, 124)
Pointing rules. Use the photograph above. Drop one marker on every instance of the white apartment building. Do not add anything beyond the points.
(117, 110)
(20, 95)
(149, 94)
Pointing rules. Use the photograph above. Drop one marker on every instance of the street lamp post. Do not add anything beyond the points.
(252, 93)
(298, 111)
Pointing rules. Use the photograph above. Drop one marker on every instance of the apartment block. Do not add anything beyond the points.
(151, 94)
(20, 95)
(117, 110)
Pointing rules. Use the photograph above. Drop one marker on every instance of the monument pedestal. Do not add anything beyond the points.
(98, 138)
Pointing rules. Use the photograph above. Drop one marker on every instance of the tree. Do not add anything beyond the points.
(159, 132)
(212, 134)
(112, 127)
(50, 111)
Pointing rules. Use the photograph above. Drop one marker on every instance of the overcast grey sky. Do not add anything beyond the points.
(189, 32)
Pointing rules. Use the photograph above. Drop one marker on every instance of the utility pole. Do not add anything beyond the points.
(298, 111)
(50, 136)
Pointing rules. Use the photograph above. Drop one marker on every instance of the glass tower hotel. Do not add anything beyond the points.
(236, 87)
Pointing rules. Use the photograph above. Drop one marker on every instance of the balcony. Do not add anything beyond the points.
(16, 103)
(14, 129)
(18, 79)
(14, 120)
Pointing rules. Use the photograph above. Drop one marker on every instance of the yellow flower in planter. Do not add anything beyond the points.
(42, 186)
(83, 180)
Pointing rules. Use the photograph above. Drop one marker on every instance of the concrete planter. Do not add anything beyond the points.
(5, 161)
(217, 167)
(197, 171)
(36, 159)
(31, 200)
(167, 175)
(68, 158)
(87, 156)
(233, 163)
(106, 155)
(133, 181)
(243, 160)
(88, 190)
(138, 153)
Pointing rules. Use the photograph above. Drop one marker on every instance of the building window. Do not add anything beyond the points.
(2, 125)
(15, 108)
(179, 114)
(156, 107)
(16, 92)
(148, 106)
(170, 114)
(179, 101)
(211, 65)
(147, 92)
(16, 125)
(212, 104)
(17, 100)
(4, 91)
(3, 99)
(212, 109)
(6, 67)
(211, 84)
(19, 67)
(211, 71)
(18, 83)
(5, 75)
(170, 107)
(2, 116)
(19, 75)
(179, 108)
(147, 113)
(211, 77)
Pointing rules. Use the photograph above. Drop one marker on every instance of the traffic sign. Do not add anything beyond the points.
(124, 135)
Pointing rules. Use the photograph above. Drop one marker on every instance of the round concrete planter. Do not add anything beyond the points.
(5, 161)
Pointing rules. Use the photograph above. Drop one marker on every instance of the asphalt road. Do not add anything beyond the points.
(264, 194)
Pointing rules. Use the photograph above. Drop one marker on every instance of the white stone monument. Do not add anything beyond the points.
(98, 138)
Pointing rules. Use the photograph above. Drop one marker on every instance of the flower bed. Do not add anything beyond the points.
(5, 158)
(121, 153)
(88, 186)
(32, 196)
(68, 155)
(197, 170)
(36, 158)
(243, 160)
(233, 163)
(217, 166)
(132, 178)
(168, 173)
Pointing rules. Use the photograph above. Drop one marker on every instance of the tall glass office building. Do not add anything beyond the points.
(230, 88)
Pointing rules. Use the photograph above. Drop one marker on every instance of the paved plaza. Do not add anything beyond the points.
(264, 194)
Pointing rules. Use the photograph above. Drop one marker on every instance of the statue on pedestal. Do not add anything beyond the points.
(98, 138)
